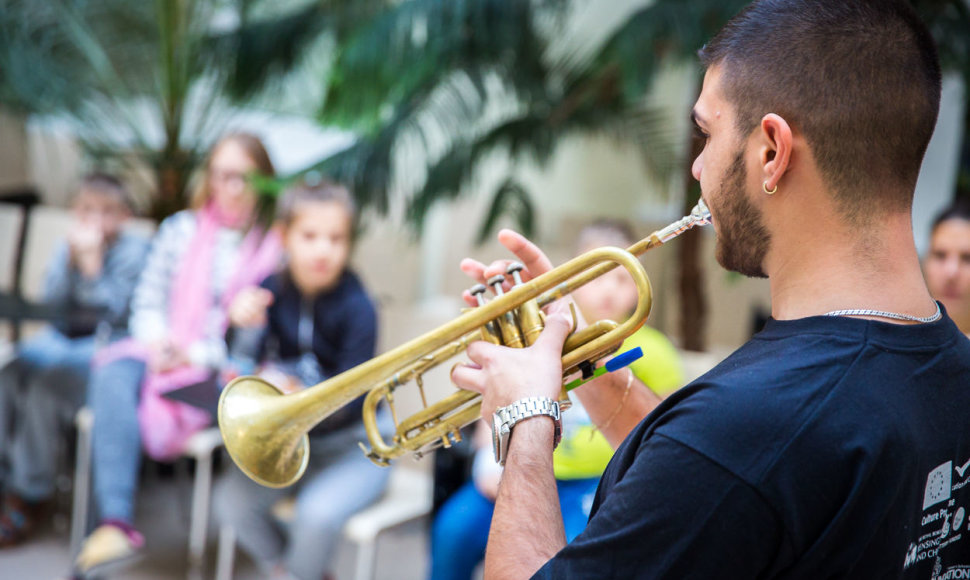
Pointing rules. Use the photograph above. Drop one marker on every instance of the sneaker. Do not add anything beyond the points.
(17, 519)
(109, 546)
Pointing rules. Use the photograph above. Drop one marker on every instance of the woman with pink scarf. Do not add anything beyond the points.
(199, 260)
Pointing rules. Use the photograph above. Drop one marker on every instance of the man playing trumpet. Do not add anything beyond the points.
(836, 442)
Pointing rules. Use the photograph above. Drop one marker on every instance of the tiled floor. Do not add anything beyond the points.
(163, 514)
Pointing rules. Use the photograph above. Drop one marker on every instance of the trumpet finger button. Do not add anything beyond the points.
(496, 283)
(478, 291)
(514, 270)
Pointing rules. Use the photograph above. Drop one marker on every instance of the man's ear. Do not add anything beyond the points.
(775, 149)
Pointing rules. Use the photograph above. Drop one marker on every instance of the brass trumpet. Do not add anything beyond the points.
(265, 430)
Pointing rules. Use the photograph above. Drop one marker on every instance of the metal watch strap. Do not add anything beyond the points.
(506, 417)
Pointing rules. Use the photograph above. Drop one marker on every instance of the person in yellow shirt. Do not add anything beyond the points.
(460, 528)
(584, 452)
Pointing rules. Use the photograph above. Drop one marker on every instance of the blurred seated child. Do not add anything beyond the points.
(613, 296)
(947, 266)
(89, 283)
(460, 529)
(315, 320)
(199, 260)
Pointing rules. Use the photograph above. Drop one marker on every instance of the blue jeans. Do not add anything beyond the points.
(339, 482)
(459, 532)
(113, 396)
(40, 390)
(50, 349)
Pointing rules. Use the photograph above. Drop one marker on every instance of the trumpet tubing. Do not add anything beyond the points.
(265, 431)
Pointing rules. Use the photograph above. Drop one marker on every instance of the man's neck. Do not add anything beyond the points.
(873, 268)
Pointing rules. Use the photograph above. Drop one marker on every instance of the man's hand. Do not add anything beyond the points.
(248, 308)
(518, 546)
(504, 375)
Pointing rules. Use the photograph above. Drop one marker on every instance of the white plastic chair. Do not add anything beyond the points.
(408, 497)
(200, 447)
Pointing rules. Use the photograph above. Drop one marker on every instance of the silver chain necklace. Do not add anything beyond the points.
(883, 314)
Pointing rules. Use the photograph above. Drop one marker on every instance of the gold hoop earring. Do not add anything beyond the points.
(764, 186)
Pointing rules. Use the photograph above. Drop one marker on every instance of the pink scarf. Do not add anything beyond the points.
(166, 425)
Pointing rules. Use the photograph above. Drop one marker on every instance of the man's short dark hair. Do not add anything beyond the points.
(860, 79)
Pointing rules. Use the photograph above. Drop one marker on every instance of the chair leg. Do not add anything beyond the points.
(82, 479)
(366, 552)
(201, 492)
(227, 549)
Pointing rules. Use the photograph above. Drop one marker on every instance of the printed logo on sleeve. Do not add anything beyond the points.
(938, 485)
(952, 573)
(941, 523)
(963, 468)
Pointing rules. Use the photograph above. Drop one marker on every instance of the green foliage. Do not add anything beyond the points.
(425, 76)
(419, 72)
(412, 46)
(148, 82)
(512, 200)
(145, 83)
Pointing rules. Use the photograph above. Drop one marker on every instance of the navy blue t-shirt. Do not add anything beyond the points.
(825, 447)
(342, 333)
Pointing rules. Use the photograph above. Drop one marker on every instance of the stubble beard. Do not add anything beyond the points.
(742, 239)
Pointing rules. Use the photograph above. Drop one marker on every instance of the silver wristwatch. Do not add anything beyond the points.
(505, 418)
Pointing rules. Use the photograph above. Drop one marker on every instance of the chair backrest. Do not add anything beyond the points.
(24, 199)
(29, 234)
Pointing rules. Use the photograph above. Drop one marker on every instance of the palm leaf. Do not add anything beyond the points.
(423, 42)
(510, 199)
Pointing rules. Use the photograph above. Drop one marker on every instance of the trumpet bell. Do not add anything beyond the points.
(259, 442)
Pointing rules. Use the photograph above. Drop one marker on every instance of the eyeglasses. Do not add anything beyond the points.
(231, 178)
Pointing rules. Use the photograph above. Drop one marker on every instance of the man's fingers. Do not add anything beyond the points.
(480, 352)
(481, 273)
(534, 260)
(529, 254)
(554, 334)
(473, 269)
(468, 377)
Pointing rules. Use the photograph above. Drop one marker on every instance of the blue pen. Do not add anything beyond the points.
(619, 361)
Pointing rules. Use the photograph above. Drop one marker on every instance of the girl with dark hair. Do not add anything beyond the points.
(303, 325)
